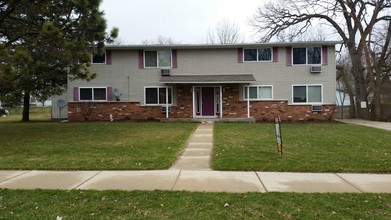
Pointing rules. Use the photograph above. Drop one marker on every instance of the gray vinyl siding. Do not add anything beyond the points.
(210, 61)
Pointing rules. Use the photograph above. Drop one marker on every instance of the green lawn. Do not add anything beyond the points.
(91, 146)
(317, 147)
(47, 204)
(36, 114)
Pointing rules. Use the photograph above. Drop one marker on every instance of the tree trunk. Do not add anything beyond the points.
(377, 107)
(360, 83)
(352, 107)
(26, 107)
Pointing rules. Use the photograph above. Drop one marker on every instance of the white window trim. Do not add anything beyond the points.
(92, 59)
(157, 56)
(259, 61)
(306, 57)
(306, 103)
(92, 88)
(257, 99)
(157, 87)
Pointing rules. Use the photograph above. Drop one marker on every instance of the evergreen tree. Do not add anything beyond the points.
(43, 43)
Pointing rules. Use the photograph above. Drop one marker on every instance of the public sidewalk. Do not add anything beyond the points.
(201, 181)
(192, 173)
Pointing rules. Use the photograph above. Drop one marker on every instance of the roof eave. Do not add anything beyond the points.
(222, 46)
(206, 82)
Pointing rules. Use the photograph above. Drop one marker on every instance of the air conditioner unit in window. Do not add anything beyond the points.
(317, 108)
(163, 109)
(316, 69)
(166, 72)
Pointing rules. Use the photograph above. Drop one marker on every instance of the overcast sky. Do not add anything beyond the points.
(184, 21)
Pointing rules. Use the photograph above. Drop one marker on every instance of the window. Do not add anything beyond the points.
(307, 94)
(99, 58)
(92, 94)
(262, 54)
(309, 55)
(157, 95)
(259, 92)
(160, 58)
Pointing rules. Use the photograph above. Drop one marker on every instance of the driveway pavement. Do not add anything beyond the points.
(374, 124)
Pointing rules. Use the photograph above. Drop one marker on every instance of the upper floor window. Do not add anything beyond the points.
(307, 94)
(157, 58)
(258, 92)
(261, 54)
(92, 94)
(307, 55)
(99, 58)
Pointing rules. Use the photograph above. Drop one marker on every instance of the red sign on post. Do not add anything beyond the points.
(277, 122)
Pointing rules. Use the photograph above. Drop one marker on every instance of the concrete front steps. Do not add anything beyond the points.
(196, 155)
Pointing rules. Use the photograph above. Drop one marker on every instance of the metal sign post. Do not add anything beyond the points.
(277, 122)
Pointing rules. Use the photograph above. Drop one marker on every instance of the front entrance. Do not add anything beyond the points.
(207, 101)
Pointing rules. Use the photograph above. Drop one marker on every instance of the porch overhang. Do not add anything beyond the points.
(208, 79)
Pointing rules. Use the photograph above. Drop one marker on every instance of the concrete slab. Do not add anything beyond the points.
(217, 181)
(304, 182)
(207, 145)
(197, 152)
(200, 139)
(8, 174)
(192, 163)
(374, 124)
(133, 180)
(48, 180)
(374, 183)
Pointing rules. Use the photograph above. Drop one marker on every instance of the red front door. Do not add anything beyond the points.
(208, 101)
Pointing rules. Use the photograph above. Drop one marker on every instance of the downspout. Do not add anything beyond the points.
(221, 101)
(248, 100)
(128, 88)
(166, 102)
(194, 110)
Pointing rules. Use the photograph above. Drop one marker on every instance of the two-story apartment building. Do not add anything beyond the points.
(294, 80)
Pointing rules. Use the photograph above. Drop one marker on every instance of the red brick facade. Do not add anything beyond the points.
(232, 107)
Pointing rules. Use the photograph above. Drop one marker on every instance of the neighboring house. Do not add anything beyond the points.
(343, 98)
(295, 80)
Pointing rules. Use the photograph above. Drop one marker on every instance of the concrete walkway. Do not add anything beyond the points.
(192, 173)
(196, 155)
(374, 124)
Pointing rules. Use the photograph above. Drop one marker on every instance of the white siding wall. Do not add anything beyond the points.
(210, 62)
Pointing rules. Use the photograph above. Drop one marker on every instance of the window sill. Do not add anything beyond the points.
(261, 61)
(156, 105)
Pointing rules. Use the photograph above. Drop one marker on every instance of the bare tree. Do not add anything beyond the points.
(160, 40)
(355, 21)
(345, 81)
(225, 32)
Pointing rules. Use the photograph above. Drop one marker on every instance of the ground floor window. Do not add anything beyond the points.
(259, 92)
(157, 95)
(307, 94)
(92, 94)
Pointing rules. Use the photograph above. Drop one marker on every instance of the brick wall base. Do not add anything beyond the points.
(231, 105)
(267, 110)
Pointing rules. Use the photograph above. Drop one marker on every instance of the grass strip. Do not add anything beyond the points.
(48, 204)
